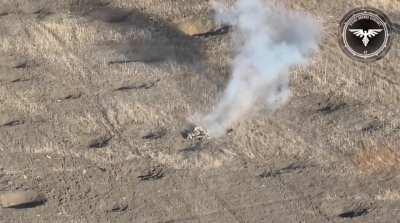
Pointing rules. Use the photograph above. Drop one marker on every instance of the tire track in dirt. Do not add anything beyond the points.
(82, 67)
(72, 59)
(221, 207)
(40, 29)
(310, 149)
(307, 199)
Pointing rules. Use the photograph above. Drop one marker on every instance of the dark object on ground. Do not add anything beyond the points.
(21, 199)
(220, 31)
(195, 133)
(331, 107)
(119, 207)
(291, 168)
(14, 123)
(354, 213)
(155, 135)
(100, 142)
(138, 87)
(154, 173)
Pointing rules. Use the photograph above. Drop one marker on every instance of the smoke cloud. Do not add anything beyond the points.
(269, 41)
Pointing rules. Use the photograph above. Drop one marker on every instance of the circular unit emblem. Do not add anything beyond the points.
(365, 34)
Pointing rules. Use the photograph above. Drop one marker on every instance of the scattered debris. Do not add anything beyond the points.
(100, 142)
(196, 133)
(155, 135)
(21, 199)
(354, 213)
(154, 173)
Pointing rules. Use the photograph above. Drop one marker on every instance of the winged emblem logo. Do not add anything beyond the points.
(365, 35)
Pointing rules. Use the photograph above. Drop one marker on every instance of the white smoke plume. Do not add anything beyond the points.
(270, 41)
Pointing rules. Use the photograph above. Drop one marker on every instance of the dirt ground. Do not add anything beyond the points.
(95, 98)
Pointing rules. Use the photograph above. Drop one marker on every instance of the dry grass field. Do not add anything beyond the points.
(95, 97)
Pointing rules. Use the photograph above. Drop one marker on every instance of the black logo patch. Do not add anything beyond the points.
(365, 34)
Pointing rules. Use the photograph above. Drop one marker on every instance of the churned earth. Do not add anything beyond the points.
(95, 98)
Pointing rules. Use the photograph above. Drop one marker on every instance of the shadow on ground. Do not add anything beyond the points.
(163, 43)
